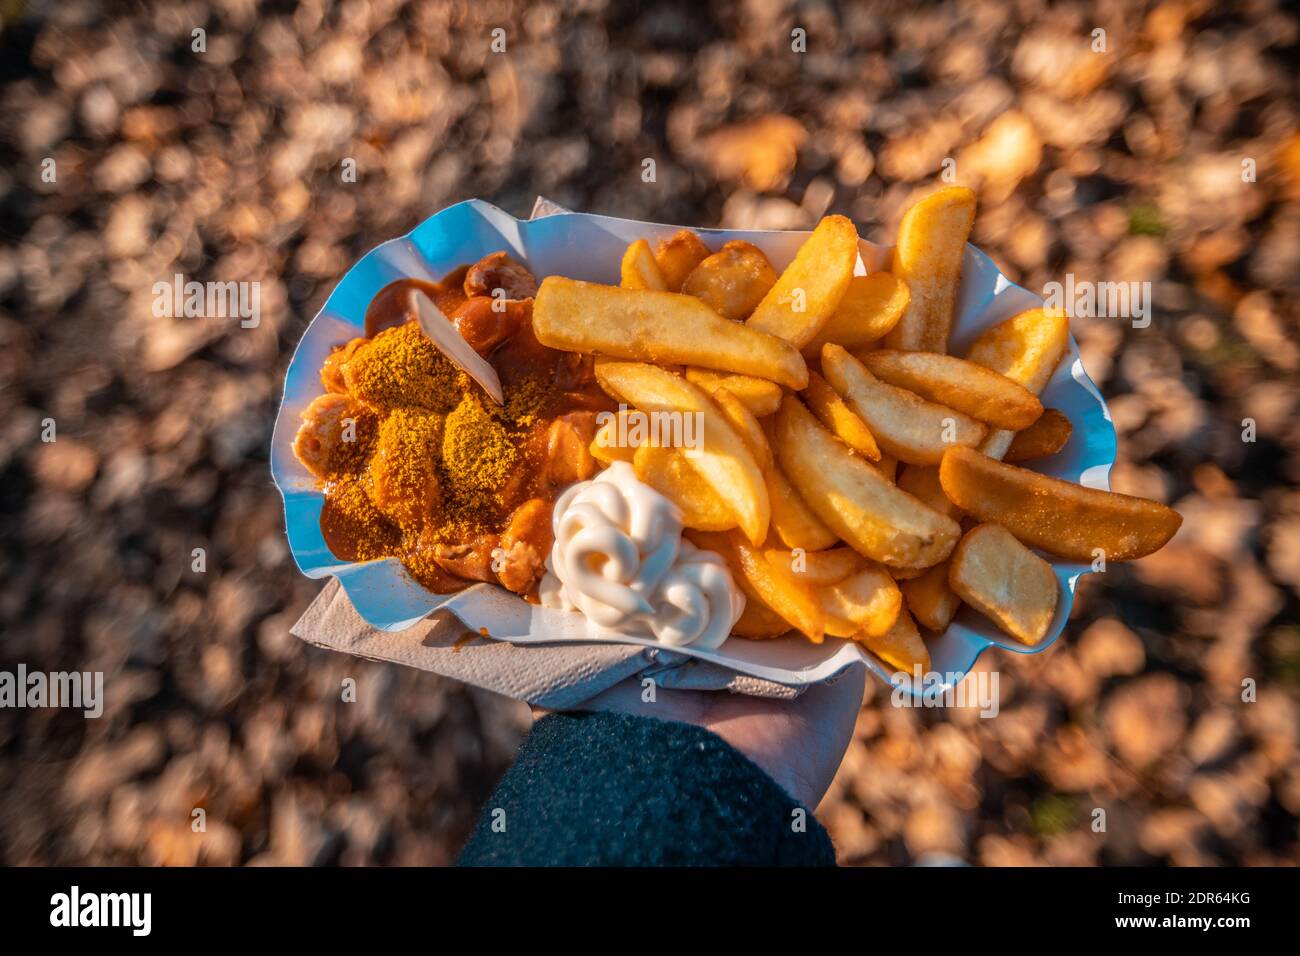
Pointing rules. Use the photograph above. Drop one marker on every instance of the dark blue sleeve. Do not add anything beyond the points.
(618, 790)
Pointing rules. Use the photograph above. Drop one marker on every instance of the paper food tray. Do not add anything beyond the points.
(591, 247)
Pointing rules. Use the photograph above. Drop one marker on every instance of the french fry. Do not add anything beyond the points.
(818, 568)
(724, 461)
(1062, 518)
(867, 602)
(852, 498)
(733, 280)
(1005, 581)
(758, 622)
(759, 395)
(678, 255)
(906, 574)
(931, 242)
(660, 327)
(930, 598)
(667, 472)
(872, 305)
(792, 519)
(776, 588)
(900, 647)
(746, 426)
(904, 424)
(606, 446)
(977, 391)
(639, 269)
(1026, 348)
(839, 418)
(782, 593)
(922, 483)
(811, 287)
(1042, 439)
(887, 468)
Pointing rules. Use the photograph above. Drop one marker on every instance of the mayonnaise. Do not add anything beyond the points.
(620, 559)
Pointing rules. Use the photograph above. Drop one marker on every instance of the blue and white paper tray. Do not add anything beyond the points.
(591, 247)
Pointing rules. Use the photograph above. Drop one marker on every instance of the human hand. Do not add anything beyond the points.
(799, 743)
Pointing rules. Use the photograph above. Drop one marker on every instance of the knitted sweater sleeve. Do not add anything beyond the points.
(618, 790)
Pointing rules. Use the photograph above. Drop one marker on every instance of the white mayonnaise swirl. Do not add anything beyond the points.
(620, 559)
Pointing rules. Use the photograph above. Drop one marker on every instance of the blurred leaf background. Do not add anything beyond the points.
(1115, 165)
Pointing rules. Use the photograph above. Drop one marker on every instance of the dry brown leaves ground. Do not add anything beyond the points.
(226, 165)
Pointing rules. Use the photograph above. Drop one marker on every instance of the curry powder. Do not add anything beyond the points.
(474, 449)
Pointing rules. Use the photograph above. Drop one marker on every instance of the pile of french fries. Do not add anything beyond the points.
(852, 473)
